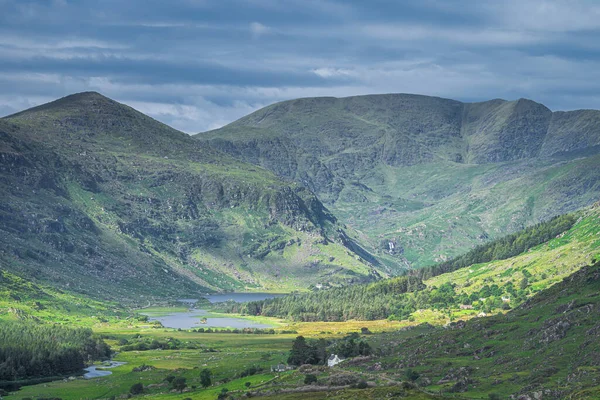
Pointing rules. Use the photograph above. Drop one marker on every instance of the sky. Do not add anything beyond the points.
(200, 64)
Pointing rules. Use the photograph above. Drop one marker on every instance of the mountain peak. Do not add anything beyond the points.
(91, 114)
(72, 104)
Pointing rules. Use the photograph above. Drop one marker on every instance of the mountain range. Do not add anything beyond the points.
(423, 179)
(103, 200)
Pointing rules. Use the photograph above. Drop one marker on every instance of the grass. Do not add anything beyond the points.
(232, 355)
(545, 264)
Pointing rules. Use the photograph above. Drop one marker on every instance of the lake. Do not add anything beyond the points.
(191, 318)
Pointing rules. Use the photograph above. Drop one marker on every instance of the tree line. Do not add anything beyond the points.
(30, 350)
(366, 302)
(503, 248)
(317, 352)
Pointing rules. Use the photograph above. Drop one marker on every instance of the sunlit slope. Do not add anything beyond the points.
(543, 265)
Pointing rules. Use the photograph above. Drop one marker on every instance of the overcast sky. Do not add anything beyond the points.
(200, 64)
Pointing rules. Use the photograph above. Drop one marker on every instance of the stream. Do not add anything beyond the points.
(98, 370)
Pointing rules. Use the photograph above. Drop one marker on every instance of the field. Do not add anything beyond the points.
(226, 355)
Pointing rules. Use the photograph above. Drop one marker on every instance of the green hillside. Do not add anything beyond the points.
(546, 347)
(24, 301)
(100, 199)
(530, 328)
(420, 179)
(550, 252)
(543, 341)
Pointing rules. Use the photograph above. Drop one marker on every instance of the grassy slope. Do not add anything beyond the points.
(548, 343)
(498, 285)
(546, 264)
(463, 205)
(501, 354)
(21, 299)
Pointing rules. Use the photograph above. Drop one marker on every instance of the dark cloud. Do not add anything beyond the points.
(198, 64)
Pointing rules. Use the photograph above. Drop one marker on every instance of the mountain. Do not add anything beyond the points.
(423, 179)
(101, 199)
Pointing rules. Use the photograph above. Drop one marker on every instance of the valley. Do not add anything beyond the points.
(442, 249)
(438, 351)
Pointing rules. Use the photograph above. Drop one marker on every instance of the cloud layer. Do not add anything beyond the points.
(199, 64)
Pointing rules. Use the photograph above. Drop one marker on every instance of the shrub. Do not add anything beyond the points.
(223, 394)
(179, 383)
(136, 388)
(309, 379)
(343, 379)
(411, 375)
(205, 377)
(362, 384)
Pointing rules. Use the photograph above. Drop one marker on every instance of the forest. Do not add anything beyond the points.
(380, 300)
(31, 350)
(367, 302)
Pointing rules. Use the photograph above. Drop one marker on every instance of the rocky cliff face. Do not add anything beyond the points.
(96, 194)
(436, 175)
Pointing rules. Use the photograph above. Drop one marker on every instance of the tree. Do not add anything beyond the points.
(223, 394)
(136, 388)
(248, 384)
(524, 283)
(300, 352)
(205, 377)
(309, 379)
(412, 375)
(179, 383)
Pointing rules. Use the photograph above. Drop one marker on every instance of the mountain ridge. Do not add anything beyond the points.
(553, 125)
(95, 192)
(86, 167)
(414, 163)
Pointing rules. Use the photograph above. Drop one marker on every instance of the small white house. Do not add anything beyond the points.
(278, 368)
(334, 360)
